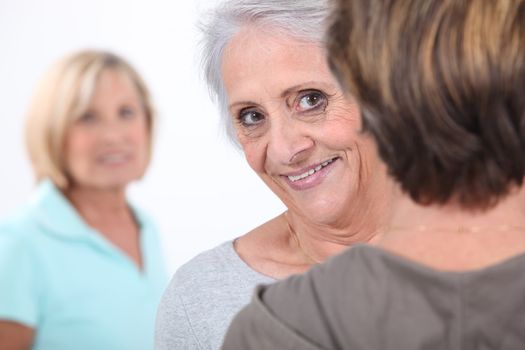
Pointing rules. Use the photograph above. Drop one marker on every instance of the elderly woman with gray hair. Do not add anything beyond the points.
(265, 63)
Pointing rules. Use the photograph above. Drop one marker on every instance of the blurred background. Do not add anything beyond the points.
(199, 188)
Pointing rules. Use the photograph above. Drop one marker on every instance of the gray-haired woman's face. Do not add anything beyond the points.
(298, 130)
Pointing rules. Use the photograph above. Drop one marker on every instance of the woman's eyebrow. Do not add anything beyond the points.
(306, 85)
(241, 103)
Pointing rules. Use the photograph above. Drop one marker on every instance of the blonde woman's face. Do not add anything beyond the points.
(107, 147)
(299, 132)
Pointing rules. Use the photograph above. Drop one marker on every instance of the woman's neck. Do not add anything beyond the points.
(98, 207)
(321, 241)
(107, 211)
(450, 238)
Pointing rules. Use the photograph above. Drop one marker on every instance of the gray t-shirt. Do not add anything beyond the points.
(202, 299)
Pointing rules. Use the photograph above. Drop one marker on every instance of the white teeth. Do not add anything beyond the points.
(113, 158)
(311, 171)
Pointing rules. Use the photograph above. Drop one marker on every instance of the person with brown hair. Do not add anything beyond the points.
(80, 267)
(440, 85)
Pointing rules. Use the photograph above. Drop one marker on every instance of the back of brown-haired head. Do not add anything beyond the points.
(442, 89)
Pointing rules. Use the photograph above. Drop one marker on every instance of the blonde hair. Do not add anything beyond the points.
(64, 94)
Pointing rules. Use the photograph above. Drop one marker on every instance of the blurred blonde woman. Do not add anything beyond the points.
(80, 267)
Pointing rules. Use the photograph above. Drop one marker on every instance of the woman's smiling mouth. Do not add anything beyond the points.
(309, 177)
(114, 159)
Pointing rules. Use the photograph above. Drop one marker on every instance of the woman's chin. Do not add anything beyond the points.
(324, 214)
(108, 183)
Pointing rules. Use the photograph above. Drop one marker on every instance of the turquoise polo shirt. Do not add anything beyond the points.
(74, 287)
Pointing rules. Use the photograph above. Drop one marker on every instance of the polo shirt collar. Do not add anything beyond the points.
(56, 213)
(58, 217)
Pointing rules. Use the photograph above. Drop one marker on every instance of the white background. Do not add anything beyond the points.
(199, 188)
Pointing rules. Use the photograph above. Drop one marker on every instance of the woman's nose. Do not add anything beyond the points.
(111, 131)
(289, 142)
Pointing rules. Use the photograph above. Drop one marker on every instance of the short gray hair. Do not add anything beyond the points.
(301, 19)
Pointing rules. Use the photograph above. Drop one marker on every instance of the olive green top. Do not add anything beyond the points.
(367, 298)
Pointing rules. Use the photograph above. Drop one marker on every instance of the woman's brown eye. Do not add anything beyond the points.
(311, 100)
(126, 112)
(87, 118)
(250, 118)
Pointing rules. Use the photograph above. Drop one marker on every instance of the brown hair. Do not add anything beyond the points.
(63, 95)
(442, 89)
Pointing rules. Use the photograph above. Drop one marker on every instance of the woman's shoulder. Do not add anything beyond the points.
(217, 273)
(205, 293)
(367, 293)
(15, 240)
(33, 217)
(19, 224)
(219, 266)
